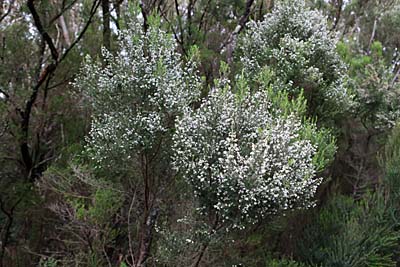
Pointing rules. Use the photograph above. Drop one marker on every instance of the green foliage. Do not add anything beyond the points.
(324, 140)
(283, 263)
(374, 83)
(351, 233)
(106, 203)
(283, 104)
(286, 79)
(390, 160)
(95, 201)
(48, 262)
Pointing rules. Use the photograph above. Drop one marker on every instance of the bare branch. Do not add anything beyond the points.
(8, 11)
(70, 5)
(92, 13)
(395, 76)
(242, 22)
(42, 31)
(6, 95)
(339, 6)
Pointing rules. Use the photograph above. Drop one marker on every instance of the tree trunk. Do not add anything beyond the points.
(105, 5)
(147, 236)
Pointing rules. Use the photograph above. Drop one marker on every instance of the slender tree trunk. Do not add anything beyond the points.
(65, 31)
(338, 6)
(204, 247)
(117, 5)
(201, 254)
(147, 237)
(105, 5)
(5, 233)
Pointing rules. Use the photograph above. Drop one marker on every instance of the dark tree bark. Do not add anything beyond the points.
(105, 5)
(33, 170)
(147, 237)
(117, 6)
(5, 232)
(4, 14)
(144, 10)
(338, 6)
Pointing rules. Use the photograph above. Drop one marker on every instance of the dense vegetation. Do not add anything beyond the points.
(200, 133)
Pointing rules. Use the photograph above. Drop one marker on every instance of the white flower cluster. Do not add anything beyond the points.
(243, 162)
(136, 96)
(295, 44)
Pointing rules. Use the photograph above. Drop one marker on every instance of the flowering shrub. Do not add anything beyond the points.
(244, 161)
(137, 95)
(246, 154)
(294, 43)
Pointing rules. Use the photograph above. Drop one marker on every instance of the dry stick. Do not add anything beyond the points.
(189, 20)
(106, 256)
(395, 76)
(180, 42)
(202, 251)
(372, 34)
(117, 7)
(261, 9)
(25, 118)
(4, 129)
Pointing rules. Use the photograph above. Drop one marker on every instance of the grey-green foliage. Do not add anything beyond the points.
(294, 44)
(349, 233)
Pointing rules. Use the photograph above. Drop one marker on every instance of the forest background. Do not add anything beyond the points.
(200, 133)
